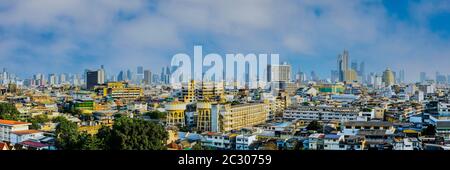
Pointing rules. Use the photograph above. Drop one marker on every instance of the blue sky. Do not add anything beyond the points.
(72, 35)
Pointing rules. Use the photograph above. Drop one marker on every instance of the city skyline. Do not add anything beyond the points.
(61, 37)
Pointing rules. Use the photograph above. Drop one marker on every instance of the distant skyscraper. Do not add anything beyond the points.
(148, 77)
(334, 76)
(343, 65)
(401, 76)
(140, 74)
(388, 77)
(314, 76)
(441, 79)
(52, 79)
(279, 73)
(129, 75)
(91, 79)
(354, 66)
(94, 78)
(361, 72)
(423, 77)
(62, 78)
(121, 76)
(101, 75)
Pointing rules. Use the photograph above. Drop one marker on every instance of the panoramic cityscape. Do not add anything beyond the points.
(298, 75)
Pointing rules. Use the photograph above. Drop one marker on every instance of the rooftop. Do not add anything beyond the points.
(12, 122)
(25, 132)
(33, 144)
(369, 123)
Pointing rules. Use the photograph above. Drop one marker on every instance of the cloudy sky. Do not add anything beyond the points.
(72, 35)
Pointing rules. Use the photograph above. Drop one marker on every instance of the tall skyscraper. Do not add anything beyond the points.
(94, 78)
(361, 72)
(52, 79)
(354, 65)
(334, 76)
(401, 76)
(148, 77)
(423, 77)
(388, 77)
(279, 73)
(441, 79)
(62, 78)
(101, 75)
(139, 74)
(91, 79)
(314, 76)
(130, 76)
(121, 76)
(343, 65)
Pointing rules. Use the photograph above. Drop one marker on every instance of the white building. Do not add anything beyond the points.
(406, 144)
(218, 140)
(24, 135)
(353, 127)
(324, 113)
(9, 126)
(333, 142)
(316, 141)
(244, 141)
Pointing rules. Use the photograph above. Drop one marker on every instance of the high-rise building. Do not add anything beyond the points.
(130, 76)
(279, 73)
(91, 79)
(361, 72)
(423, 77)
(121, 76)
(140, 74)
(388, 77)
(148, 77)
(342, 65)
(62, 78)
(52, 79)
(334, 76)
(101, 75)
(354, 65)
(94, 78)
(401, 76)
(441, 79)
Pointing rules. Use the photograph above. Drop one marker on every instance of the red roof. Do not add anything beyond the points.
(3, 145)
(25, 132)
(12, 122)
(33, 144)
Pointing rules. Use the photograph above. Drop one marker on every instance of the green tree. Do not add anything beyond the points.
(38, 120)
(67, 136)
(8, 111)
(197, 146)
(156, 115)
(90, 142)
(134, 134)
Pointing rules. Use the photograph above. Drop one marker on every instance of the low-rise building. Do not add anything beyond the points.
(324, 113)
(244, 141)
(353, 127)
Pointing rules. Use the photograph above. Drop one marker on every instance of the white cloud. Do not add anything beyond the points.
(319, 28)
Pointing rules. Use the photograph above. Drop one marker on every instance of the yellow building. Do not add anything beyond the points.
(188, 92)
(119, 90)
(175, 113)
(351, 75)
(235, 117)
(194, 91)
(204, 116)
(388, 77)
